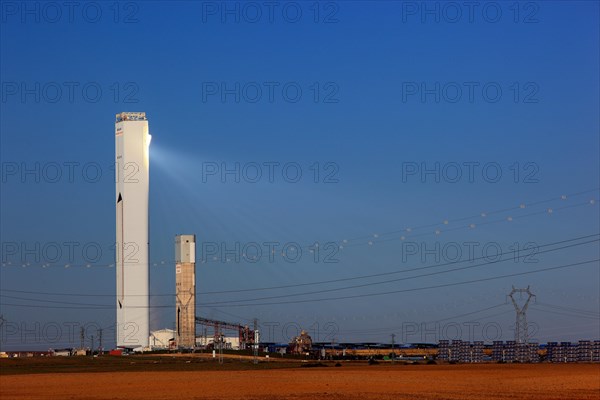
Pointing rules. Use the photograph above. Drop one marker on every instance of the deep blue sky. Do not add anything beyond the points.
(364, 58)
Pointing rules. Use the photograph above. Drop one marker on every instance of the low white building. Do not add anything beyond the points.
(161, 339)
(231, 342)
(62, 352)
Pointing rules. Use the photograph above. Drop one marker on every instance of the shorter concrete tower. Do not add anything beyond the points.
(185, 290)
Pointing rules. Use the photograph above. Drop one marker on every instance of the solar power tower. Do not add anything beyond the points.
(185, 290)
(132, 148)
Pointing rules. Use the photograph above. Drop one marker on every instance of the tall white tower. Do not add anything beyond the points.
(132, 143)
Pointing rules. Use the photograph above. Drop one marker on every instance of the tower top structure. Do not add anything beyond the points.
(131, 116)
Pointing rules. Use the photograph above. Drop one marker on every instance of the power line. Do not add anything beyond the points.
(565, 313)
(407, 231)
(307, 283)
(415, 289)
(100, 306)
(568, 309)
(548, 211)
(467, 314)
(394, 280)
(386, 273)
(481, 215)
(383, 331)
(380, 330)
(367, 294)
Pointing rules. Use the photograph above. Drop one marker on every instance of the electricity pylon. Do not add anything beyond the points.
(521, 328)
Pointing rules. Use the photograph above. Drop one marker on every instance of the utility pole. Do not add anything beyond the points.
(221, 343)
(256, 340)
(393, 342)
(333, 352)
(219, 339)
(1, 331)
(521, 328)
(99, 341)
(82, 337)
(92, 347)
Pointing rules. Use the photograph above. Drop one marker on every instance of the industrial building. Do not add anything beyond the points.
(184, 335)
(132, 142)
(246, 337)
(185, 290)
(301, 344)
(228, 342)
(162, 339)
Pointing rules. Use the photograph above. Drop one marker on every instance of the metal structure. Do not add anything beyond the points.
(301, 344)
(2, 320)
(132, 161)
(255, 343)
(393, 343)
(185, 290)
(247, 336)
(521, 328)
(218, 343)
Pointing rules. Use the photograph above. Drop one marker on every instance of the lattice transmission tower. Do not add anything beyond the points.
(521, 328)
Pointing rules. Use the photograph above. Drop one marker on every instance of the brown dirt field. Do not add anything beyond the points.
(489, 381)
